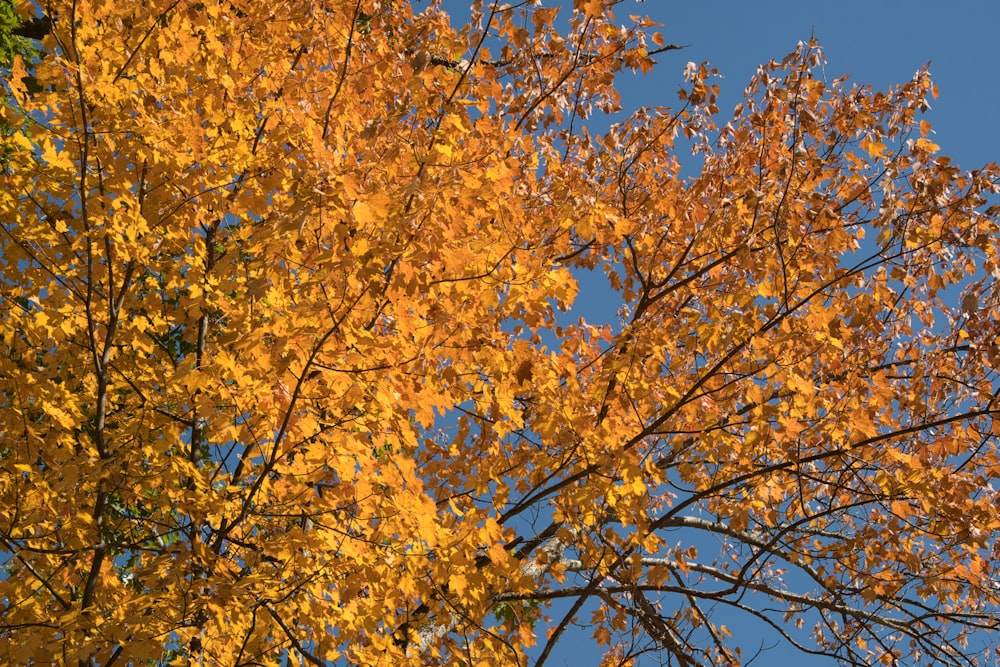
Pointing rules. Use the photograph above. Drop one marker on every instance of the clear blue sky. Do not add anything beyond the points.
(877, 42)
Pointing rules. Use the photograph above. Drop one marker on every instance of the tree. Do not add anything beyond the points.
(285, 378)
(14, 42)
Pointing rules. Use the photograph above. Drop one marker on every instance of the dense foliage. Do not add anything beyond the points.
(286, 374)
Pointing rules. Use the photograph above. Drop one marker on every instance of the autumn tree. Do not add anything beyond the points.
(286, 378)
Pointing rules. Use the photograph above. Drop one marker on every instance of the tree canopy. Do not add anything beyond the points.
(290, 371)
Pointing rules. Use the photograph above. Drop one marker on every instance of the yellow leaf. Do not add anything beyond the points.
(21, 140)
(874, 148)
(57, 159)
(363, 213)
(458, 583)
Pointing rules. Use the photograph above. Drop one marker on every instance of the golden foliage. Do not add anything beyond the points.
(285, 378)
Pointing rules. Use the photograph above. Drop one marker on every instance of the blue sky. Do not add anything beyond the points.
(877, 42)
